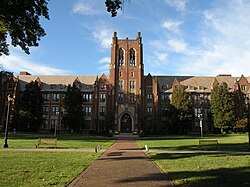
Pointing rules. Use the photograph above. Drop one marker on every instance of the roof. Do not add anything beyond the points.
(60, 82)
(194, 83)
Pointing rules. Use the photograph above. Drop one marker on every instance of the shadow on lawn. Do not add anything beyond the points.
(221, 147)
(232, 177)
(223, 177)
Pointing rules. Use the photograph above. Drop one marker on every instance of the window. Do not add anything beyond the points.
(132, 57)
(243, 88)
(103, 86)
(54, 123)
(201, 88)
(120, 84)
(132, 84)
(120, 74)
(45, 110)
(191, 87)
(197, 111)
(52, 86)
(56, 97)
(55, 110)
(102, 97)
(102, 111)
(197, 99)
(207, 112)
(46, 96)
(87, 97)
(121, 57)
(120, 97)
(87, 111)
(132, 97)
(150, 97)
(132, 74)
(165, 98)
(149, 110)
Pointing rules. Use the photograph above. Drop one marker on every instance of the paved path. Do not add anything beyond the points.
(123, 164)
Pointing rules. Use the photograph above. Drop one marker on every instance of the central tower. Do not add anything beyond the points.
(126, 79)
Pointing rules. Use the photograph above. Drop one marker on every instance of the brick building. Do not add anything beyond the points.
(127, 100)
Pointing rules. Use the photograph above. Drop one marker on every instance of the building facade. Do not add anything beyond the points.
(127, 100)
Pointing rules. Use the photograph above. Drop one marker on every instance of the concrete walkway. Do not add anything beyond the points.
(123, 164)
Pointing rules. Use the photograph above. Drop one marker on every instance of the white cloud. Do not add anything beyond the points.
(162, 57)
(15, 63)
(105, 60)
(179, 5)
(103, 37)
(226, 42)
(85, 7)
(173, 26)
(104, 64)
(178, 46)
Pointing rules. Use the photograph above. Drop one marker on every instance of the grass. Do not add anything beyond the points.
(77, 141)
(41, 169)
(195, 170)
(232, 142)
(206, 170)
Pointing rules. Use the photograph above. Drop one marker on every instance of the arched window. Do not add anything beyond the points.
(121, 57)
(131, 57)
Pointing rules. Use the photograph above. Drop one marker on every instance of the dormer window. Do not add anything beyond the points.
(201, 88)
(52, 86)
(190, 87)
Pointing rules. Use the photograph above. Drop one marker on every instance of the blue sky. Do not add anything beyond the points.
(180, 37)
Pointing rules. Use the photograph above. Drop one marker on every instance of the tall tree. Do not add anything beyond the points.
(73, 116)
(182, 108)
(20, 20)
(221, 107)
(30, 113)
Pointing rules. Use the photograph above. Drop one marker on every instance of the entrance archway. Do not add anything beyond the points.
(126, 123)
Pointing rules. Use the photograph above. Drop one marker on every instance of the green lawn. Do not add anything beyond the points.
(206, 170)
(78, 141)
(232, 142)
(41, 168)
(211, 170)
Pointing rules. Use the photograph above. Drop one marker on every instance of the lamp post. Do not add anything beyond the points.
(201, 118)
(5, 145)
(248, 116)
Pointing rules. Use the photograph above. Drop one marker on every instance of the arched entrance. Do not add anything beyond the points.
(126, 123)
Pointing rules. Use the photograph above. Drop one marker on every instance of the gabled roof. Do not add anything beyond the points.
(55, 80)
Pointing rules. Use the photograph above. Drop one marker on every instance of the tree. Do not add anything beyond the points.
(114, 5)
(221, 107)
(73, 116)
(20, 20)
(182, 108)
(30, 113)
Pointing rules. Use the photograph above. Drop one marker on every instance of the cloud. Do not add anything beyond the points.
(178, 46)
(179, 5)
(86, 7)
(105, 63)
(16, 63)
(173, 26)
(226, 43)
(103, 37)
(105, 60)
